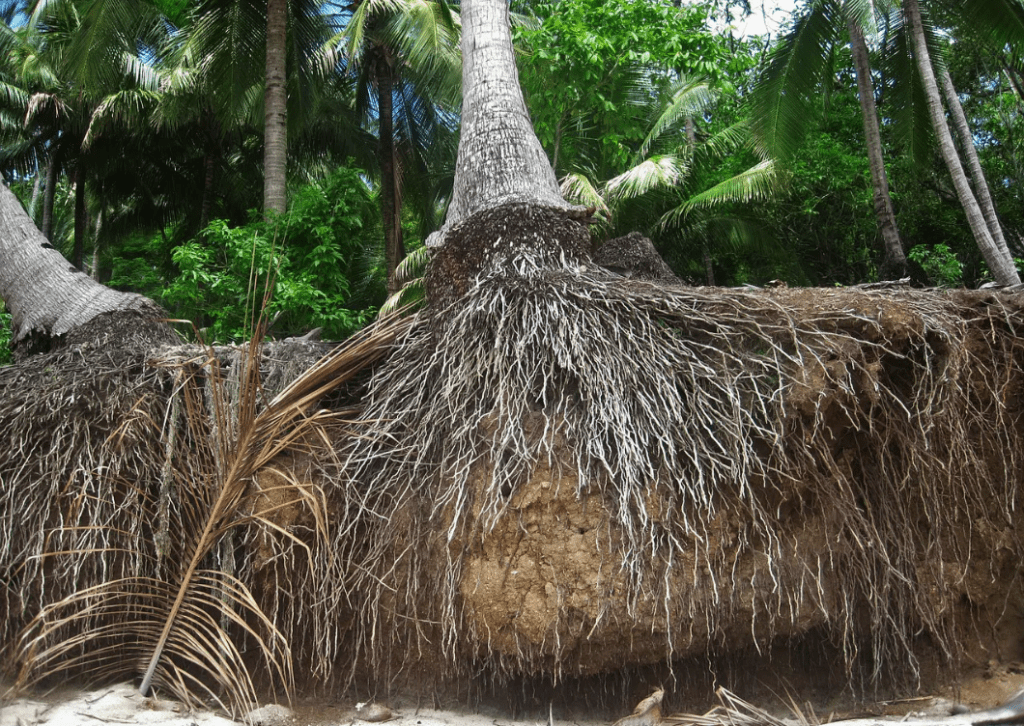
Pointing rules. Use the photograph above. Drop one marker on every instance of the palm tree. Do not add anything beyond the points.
(659, 182)
(500, 159)
(45, 298)
(800, 63)
(405, 55)
(998, 257)
(275, 134)
(782, 99)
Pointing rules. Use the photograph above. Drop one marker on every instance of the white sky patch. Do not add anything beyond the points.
(768, 18)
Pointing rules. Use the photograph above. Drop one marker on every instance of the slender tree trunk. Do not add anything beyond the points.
(275, 143)
(390, 172)
(999, 260)
(500, 158)
(963, 131)
(81, 220)
(33, 205)
(894, 263)
(45, 295)
(49, 194)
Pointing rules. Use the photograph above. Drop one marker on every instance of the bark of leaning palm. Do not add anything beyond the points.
(275, 140)
(999, 260)
(46, 296)
(894, 263)
(963, 130)
(500, 159)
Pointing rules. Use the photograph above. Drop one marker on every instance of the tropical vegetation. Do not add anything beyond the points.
(137, 134)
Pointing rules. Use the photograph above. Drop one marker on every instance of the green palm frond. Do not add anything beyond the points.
(409, 274)
(577, 188)
(130, 109)
(726, 141)
(690, 97)
(657, 172)
(1001, 21)
(785, 97)
(758, 182)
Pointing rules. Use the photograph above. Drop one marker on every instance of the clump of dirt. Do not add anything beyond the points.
(633, 255)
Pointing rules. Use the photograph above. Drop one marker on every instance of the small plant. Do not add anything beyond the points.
(940, 263)
(5, 338)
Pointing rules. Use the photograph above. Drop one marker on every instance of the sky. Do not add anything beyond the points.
(767, 17)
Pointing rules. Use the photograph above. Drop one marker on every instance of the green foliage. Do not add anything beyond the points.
(591, 67)
(313, 260)
(941, 264)
(5, 338)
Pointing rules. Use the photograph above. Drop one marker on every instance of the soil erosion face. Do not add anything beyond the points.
(548, 583)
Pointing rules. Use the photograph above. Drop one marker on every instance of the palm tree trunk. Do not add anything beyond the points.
(80, 215)
(999, 260)
(46, 297)
(275, 143)
(894, 263)
(500, 158)
(963, 131)
(49, 194)
(390, 181)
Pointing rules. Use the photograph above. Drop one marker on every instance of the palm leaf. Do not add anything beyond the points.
(758, 182)
(186, 626)
(657, 172)
(785, 95)
(690, 97)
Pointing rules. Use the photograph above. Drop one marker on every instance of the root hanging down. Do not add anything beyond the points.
(567, 474)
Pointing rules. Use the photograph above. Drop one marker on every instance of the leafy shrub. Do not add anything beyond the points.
(940, 263)
(5, 338)
(316, 263)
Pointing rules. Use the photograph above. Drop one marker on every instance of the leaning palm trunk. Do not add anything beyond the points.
(895, 262)
(47, 297)
(500, 159)
(981, 190)
(999, 260)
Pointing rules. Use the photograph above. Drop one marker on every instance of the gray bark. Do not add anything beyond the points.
(895, 261)
(500, 159)
(275, 139)
(963, 131)
(999, 260)
(44, 293)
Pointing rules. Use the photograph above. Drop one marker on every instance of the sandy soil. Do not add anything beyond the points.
(988, 688)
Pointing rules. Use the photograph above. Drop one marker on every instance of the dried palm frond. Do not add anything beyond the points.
(185, 616)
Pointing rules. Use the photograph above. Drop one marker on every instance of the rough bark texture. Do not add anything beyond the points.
(48, 297)
(81, 217)
(275, 147)
(390, 181)
(500, 158)
(48, 194)
(894, 264)
(1000, 262)
(963, 130)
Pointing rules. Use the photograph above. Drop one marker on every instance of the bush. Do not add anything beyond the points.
(316, 263)
(5, 338)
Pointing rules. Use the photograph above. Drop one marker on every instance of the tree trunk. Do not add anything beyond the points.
(963, 131)
(390, 174)
(500, 159)
(81, 220)
(999, 260)
(49, 192)
(275, 140)
(45, 295)
(894, 263)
